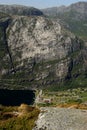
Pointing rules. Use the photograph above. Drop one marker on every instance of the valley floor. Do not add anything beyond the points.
(66, 111)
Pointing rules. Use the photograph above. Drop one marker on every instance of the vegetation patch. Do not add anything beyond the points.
(18, 118)
(76, 97)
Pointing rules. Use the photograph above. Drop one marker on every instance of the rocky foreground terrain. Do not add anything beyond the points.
(61, 119)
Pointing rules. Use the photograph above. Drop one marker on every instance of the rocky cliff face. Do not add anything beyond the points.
(40, 53)
(5, 56)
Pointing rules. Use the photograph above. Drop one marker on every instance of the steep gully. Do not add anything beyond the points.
(5, 25)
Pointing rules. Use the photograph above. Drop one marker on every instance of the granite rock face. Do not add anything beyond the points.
(40, 52)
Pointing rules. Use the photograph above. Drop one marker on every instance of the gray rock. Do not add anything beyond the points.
(40, 51)
(61, 119)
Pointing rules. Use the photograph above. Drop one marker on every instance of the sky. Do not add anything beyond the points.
(40, 3)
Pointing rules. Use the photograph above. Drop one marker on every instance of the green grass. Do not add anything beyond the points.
(69, 96)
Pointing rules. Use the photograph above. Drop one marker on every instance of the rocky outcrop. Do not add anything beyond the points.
(61, 119)
(42, 53)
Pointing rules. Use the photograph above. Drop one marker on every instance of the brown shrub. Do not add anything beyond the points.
(24, 108)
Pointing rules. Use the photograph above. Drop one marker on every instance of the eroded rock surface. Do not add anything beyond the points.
(40, 53)
(61, 119)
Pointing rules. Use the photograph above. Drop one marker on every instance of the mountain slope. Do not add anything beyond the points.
(53, 11)
(4, 49)
(41, 53)
(20, 10)
(74, 16)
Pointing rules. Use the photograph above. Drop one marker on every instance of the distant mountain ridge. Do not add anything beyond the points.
(20, 10)
(80, 7)
(53, 10)
(74, 16)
